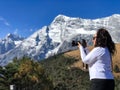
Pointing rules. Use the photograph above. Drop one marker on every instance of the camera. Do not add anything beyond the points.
(75, 43)
(82, 42)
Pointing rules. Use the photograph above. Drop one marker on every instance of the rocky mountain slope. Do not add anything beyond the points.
(57, 37)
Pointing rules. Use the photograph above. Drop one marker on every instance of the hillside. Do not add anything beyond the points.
(64, 76)
(76, 54)
(60, 72)
(67, 72)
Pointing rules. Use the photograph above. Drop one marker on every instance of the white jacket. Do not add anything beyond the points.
(99, 62)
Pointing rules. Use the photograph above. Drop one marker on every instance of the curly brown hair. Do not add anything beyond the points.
(104, 39)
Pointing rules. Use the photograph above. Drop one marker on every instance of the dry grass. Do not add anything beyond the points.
(76, 54)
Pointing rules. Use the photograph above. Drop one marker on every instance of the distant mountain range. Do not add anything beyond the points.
(56, 38)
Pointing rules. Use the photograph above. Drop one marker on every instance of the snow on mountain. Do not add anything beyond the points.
(9, 42)
(57, 37)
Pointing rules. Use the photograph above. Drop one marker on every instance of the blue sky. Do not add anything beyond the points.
(24, 17)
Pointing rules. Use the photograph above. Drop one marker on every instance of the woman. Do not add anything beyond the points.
(99, 61)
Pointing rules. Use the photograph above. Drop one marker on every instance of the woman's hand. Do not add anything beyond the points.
(79, 44)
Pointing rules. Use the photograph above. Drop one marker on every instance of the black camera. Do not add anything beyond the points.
(82, 42)
(75, 43)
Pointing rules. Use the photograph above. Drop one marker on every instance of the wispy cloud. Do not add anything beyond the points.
(16, 31)
(2, 20)
(31, 30)
(6, 23)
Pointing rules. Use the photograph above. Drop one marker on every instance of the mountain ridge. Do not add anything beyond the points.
(57, 37)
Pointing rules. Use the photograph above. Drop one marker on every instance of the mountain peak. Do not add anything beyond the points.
(14, 37)
(61, 17)
(116, 15)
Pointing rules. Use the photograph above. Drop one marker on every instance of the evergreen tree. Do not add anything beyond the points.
(25, 74)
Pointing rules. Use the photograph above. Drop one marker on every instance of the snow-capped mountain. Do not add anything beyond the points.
(9, 42)
(57, 37)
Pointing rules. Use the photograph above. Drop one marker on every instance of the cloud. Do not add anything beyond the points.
(6, 23)
(31, 30)
(16, 31)
(2, 20)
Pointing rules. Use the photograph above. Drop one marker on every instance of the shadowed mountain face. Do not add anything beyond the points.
(57, 37)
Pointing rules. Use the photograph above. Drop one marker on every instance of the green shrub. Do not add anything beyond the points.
(25, 74)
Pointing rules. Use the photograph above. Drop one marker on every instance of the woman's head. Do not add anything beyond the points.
(103, 39)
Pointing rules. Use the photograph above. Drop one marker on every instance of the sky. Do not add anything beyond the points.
(24, 17)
